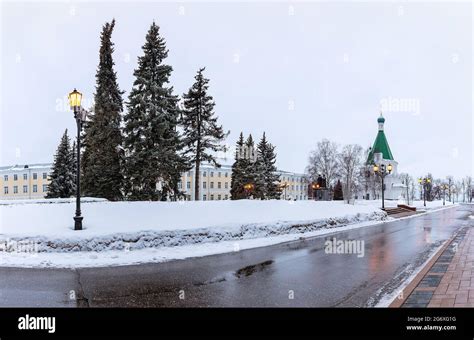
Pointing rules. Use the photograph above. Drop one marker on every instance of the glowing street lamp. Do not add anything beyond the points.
(75, 98)
(424, 182)
(248, 188)
(381, 170)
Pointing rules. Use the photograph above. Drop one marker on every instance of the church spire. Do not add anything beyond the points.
(380, 144)
(381, 121)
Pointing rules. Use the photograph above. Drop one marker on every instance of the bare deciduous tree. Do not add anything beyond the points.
(349, 161)
(323, 161)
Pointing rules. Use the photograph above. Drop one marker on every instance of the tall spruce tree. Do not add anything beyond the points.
(266, 178)
(202, 134)
(62, 177)
(249, 166)
(101, 169)
(237, 177)
(153, 149)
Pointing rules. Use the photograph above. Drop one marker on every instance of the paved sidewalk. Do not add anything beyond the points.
(449, 282)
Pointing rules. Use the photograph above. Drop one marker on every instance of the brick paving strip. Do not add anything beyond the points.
(448, 278)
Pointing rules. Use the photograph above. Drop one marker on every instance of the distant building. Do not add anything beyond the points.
(24, 181)
(393, 185)
(215, 184)
(294, 186)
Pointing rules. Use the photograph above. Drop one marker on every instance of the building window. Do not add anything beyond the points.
(204, 185)
(226, 197)
(15, 189)
(219, 185)
(45, 187)
(204, 197)
(25, 176)
(180, 185)
(226, 185)
(25, 189)
(45, 175)
(219, 197)
(35, 175)
(212, 174)
(212, 197)
(212, 184)
(5, 190)
(188, 185)
(5, 178)
(35, 188)
(226, 174)
(204, 173)
(15, 177)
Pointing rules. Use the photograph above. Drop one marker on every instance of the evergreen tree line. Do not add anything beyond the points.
(254, 170)
(141, 154)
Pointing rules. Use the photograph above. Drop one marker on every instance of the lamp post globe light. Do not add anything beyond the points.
(315, 187)
(382, 170)
(424, 182)
(248, 189)
(75, 98)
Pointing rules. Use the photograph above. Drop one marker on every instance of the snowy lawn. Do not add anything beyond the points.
(118, 229)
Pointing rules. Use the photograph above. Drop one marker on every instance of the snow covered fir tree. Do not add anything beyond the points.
(152, 144)
(254, 174)
(202, 135)
(62, 179)
(267, 182)
(101, 170)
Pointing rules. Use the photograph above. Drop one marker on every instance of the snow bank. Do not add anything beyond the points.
(50, 201)
(139, 225)
(432, 205)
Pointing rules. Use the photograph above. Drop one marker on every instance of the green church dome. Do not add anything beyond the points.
(380, 145)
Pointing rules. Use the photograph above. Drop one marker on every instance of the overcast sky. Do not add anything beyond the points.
(299, 71)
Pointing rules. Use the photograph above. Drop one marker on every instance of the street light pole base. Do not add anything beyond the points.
(78, 222)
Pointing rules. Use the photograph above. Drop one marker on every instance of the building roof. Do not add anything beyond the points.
(380, 145)
(23, 167)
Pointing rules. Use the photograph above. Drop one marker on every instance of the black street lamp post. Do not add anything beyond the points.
(80, 115)
(424, 182)
(382, 171)
(444, 187)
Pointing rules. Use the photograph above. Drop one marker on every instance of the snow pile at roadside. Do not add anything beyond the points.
(139, 225)
(419, 205)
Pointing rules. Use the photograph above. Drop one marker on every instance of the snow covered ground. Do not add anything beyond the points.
(119, 233)
(417, 204)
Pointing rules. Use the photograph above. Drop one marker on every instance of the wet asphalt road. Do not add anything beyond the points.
(294, 274)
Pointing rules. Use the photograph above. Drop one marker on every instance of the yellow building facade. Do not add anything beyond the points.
(24, 181)
(215, 184)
